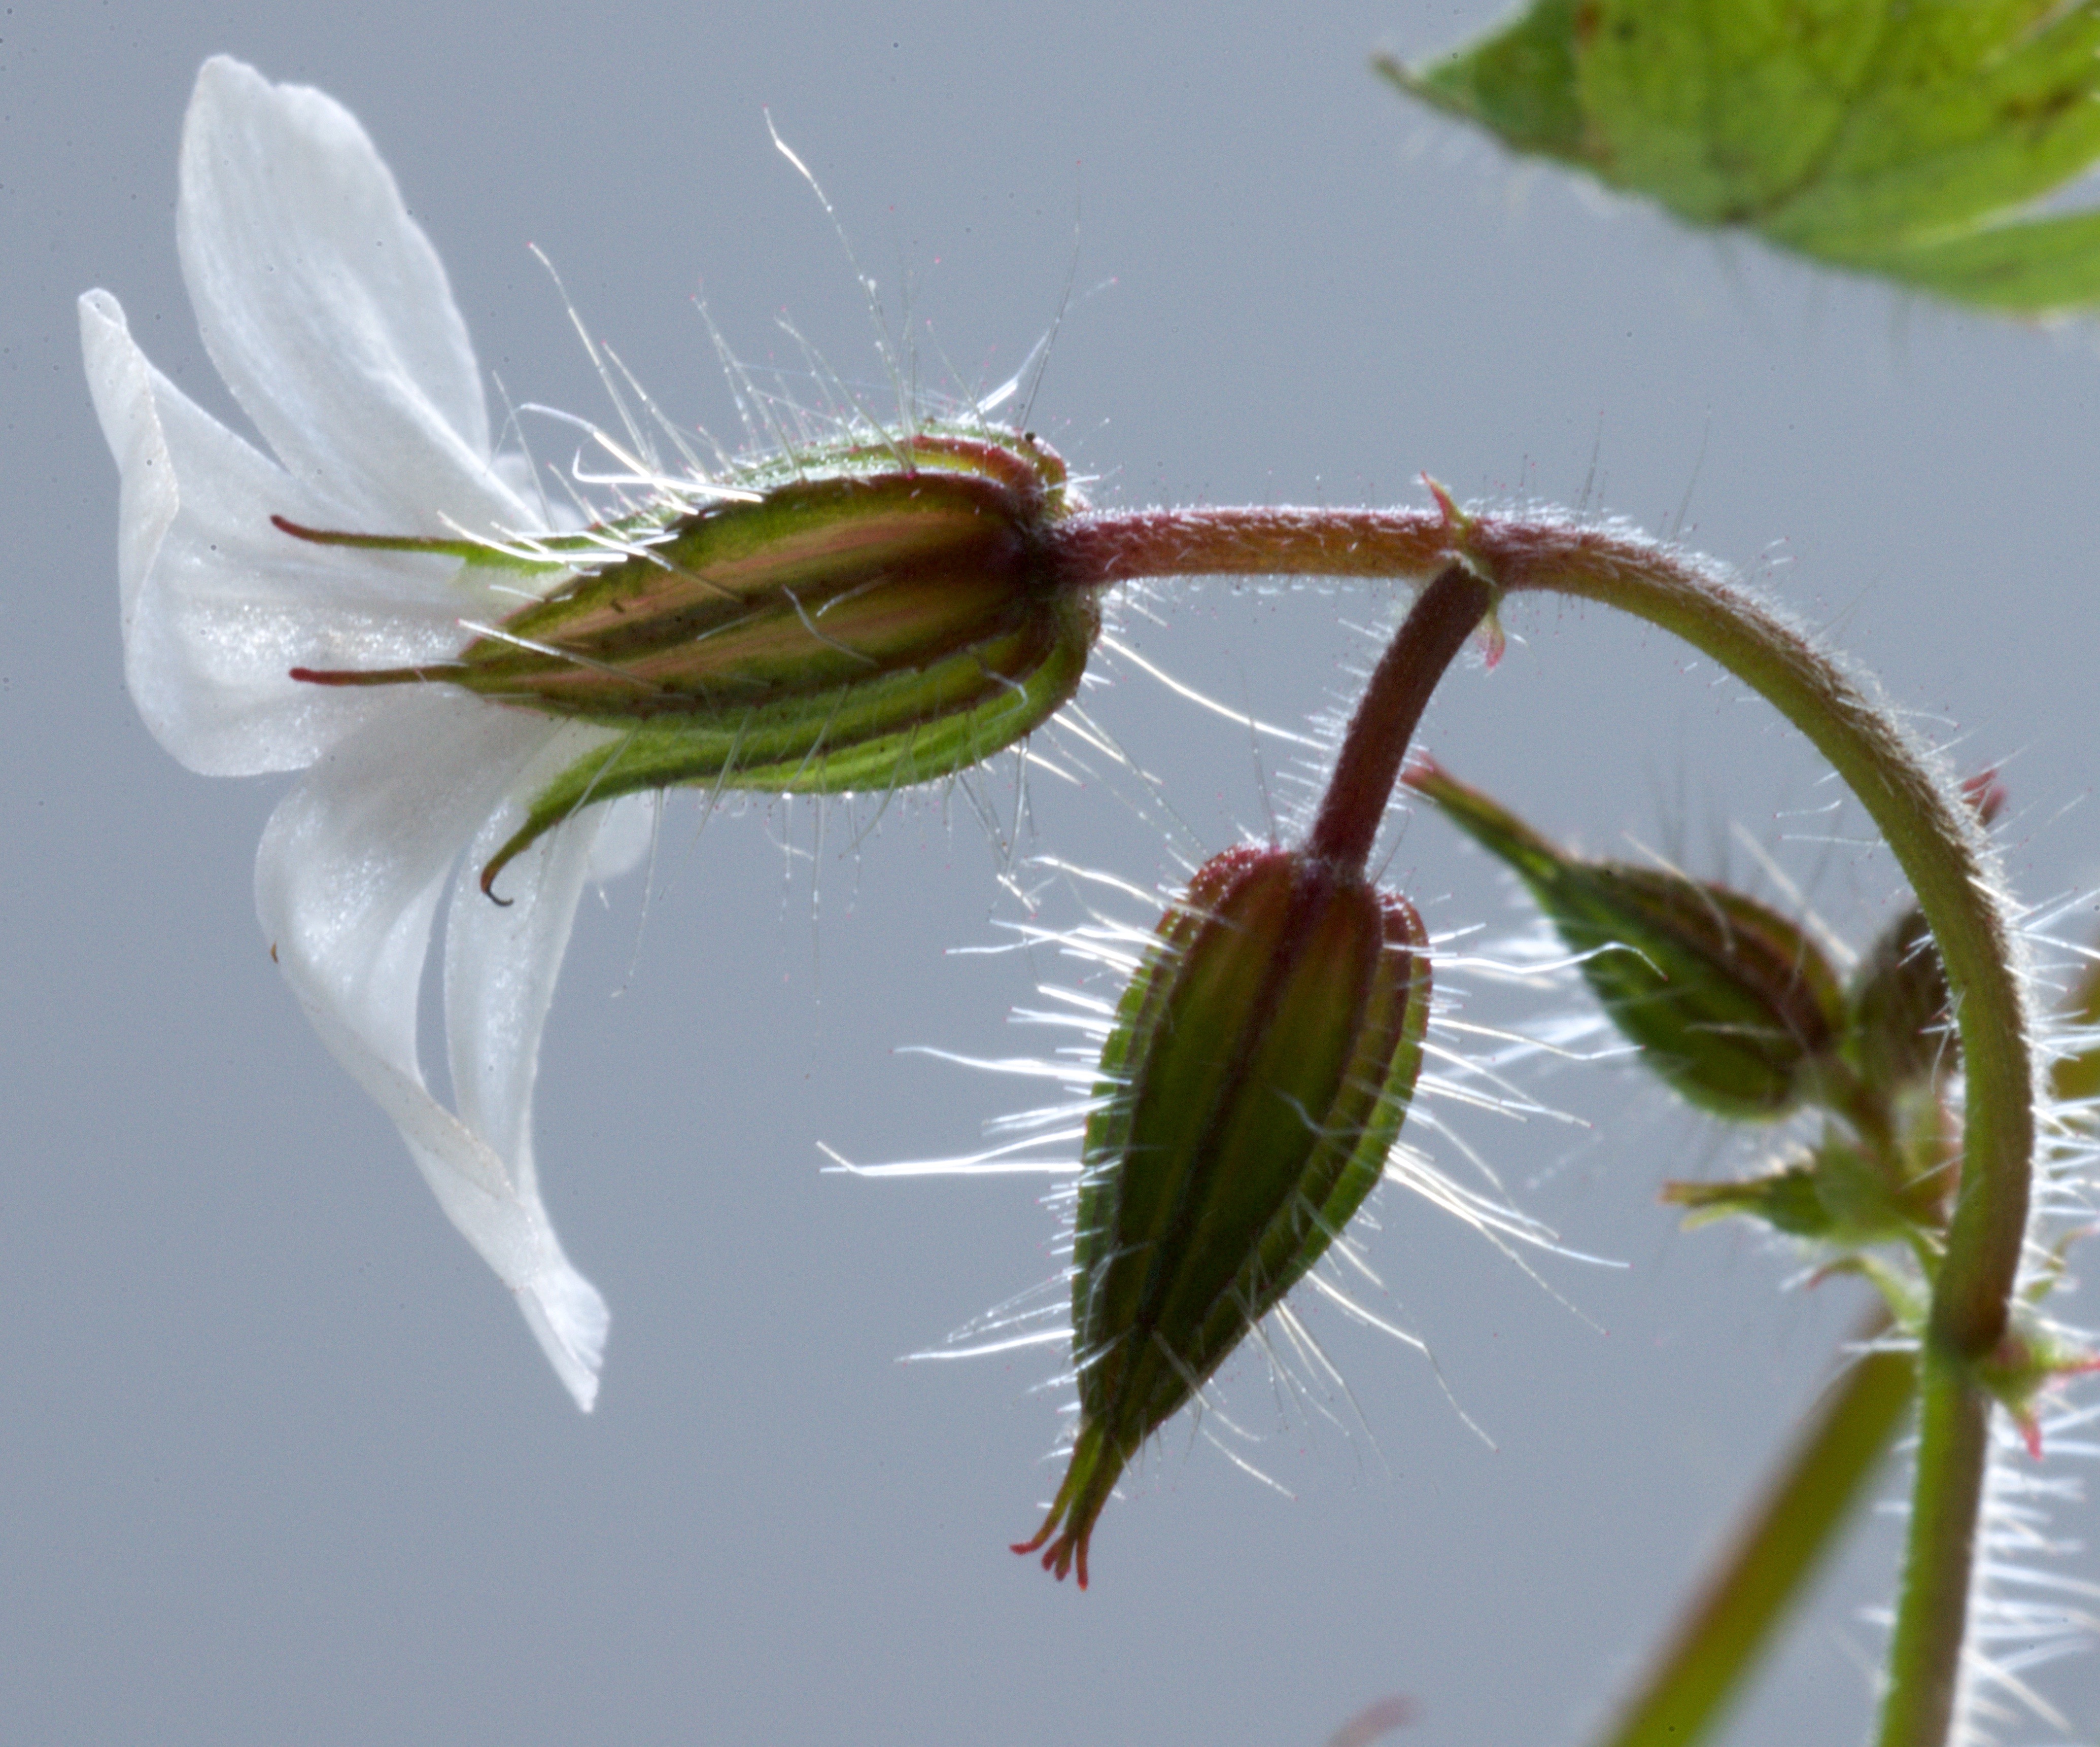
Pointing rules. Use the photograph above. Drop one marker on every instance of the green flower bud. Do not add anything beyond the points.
(1837, 1193)
(1732, 1003)
(1897, 1027)
(884, 614)
(1260, 1064)
(2076, 1077)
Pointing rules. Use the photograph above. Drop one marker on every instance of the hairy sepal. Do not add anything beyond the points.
(1260, 1066)
(881, 615)
(1730, 1003)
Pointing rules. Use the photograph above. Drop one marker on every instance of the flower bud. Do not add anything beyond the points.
(1898, 1021)
(1260, 1063)
(886, 614)
(1836, 1192)
(1732, 1003)
(2076, 1076)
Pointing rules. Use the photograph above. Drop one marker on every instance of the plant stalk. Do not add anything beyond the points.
(1775, 1552)
(1920, 814)
(1444, 616)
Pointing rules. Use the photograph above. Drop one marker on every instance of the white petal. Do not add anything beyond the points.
(218, 604)
(501, 960)
(501, 966)
(347, 882)
(625, 830)
(328, 311)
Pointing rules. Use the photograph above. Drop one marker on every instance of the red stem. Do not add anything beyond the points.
(1095, 550)
(1444, 616)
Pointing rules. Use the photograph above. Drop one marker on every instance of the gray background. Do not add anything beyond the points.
(277, 1460)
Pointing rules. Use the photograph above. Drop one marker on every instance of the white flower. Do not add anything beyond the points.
(327, 313)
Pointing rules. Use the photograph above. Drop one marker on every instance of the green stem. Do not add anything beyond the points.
(1942, 854)
(1953, 1451)
(1939, 847)
(1775, 1552)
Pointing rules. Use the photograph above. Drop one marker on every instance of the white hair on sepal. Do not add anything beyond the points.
(1115, 931)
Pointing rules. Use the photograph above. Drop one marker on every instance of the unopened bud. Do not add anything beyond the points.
(1897, 1021)
(1838, 1193)
(1732, 1003)
(889, 614)
(1260, 1064)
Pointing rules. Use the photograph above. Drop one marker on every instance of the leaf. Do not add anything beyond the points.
(1910, 139)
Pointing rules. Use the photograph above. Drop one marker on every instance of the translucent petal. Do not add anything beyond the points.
(218, 604)
(347, 882)
(501, 960)
(328, 311)
(626, 828)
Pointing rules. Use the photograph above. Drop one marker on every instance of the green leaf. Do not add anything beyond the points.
(1909, 138)
(1521, 83)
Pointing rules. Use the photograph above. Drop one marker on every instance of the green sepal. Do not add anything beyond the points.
(547, 554)
(1837, 1193)
(1786, 1200)
(1255, 1079)
(914, 726)
(860, 616)
(1898, 1021)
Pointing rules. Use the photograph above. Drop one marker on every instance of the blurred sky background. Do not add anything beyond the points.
(279, 1462)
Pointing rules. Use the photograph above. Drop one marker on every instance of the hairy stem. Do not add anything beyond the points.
(1774, 1552)
(1920, 815)
(1444, 616)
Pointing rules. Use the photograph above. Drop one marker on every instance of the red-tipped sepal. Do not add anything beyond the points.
(1256, 1078)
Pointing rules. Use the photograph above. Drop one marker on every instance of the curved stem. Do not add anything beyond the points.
(1941, 853)
(1444, 616)
(1939, 847)
(1928, 829)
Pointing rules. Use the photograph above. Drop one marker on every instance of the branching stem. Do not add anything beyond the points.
(1941, 849)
